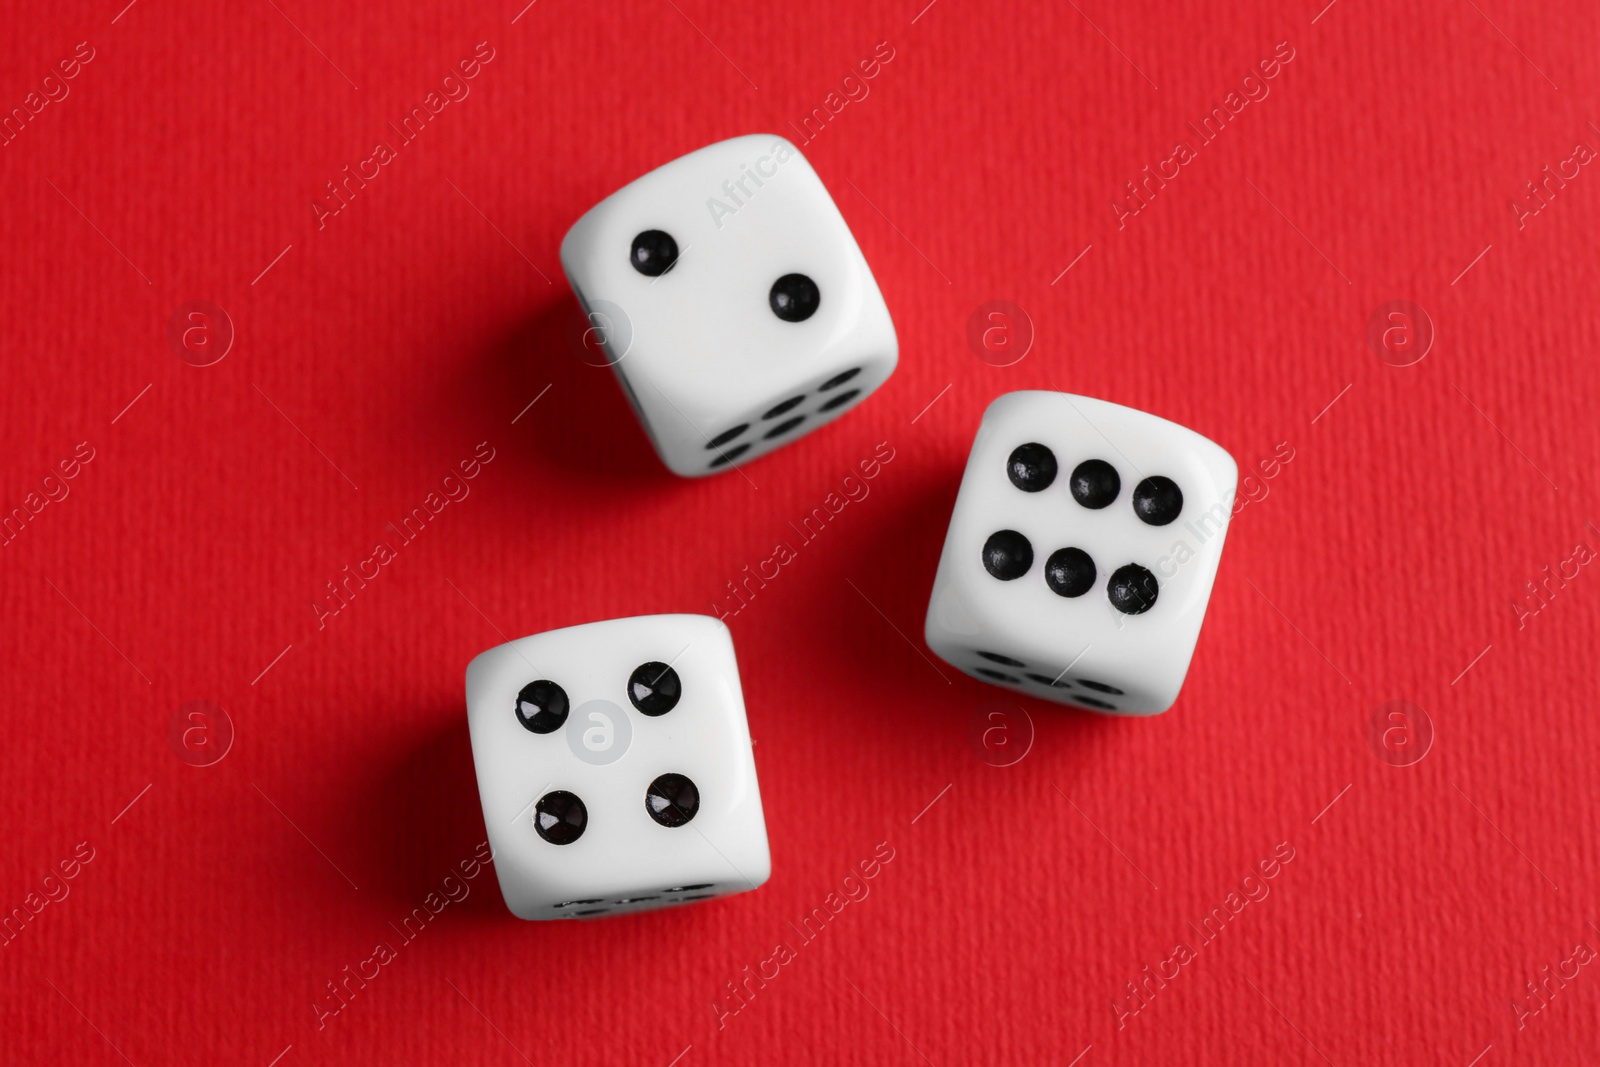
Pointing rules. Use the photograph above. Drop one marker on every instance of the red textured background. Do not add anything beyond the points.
(374, 353)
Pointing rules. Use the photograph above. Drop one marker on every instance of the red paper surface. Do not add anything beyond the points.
(375, 347)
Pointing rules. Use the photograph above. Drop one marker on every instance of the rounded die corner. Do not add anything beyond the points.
(689, 622)
(1224, 467)
(483, 666)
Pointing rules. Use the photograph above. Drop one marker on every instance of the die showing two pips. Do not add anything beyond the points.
(731, 301)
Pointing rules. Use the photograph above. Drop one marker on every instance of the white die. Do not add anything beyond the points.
(1048, 628)
(714, 374)
(609, 747)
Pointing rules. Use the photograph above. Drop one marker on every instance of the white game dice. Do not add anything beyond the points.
(732, 302)
(615, 767)
(1081, 553)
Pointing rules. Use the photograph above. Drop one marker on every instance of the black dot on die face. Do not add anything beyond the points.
(839, 379)
(1069, 572)
(1100, 687)
(1007, 555)
(1031, 467)
(728, 455)
(1132, 589)
(542, 706)
(787, 406)
(654, 253)
(839, 400)
(784, 427)
(999, 676)
(1157, 500)
(703, 896)
(1091, 702)
(672, 800)
(560, 817)
(575, 903)
(592, 911)
(794, 298)
(727, 435)
(654, 688)
(687, 888)
(1095, 483)
(1004, 661)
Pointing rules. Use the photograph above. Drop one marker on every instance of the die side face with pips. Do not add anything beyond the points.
(615, 767)
(732, 302)
(1081, 552)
